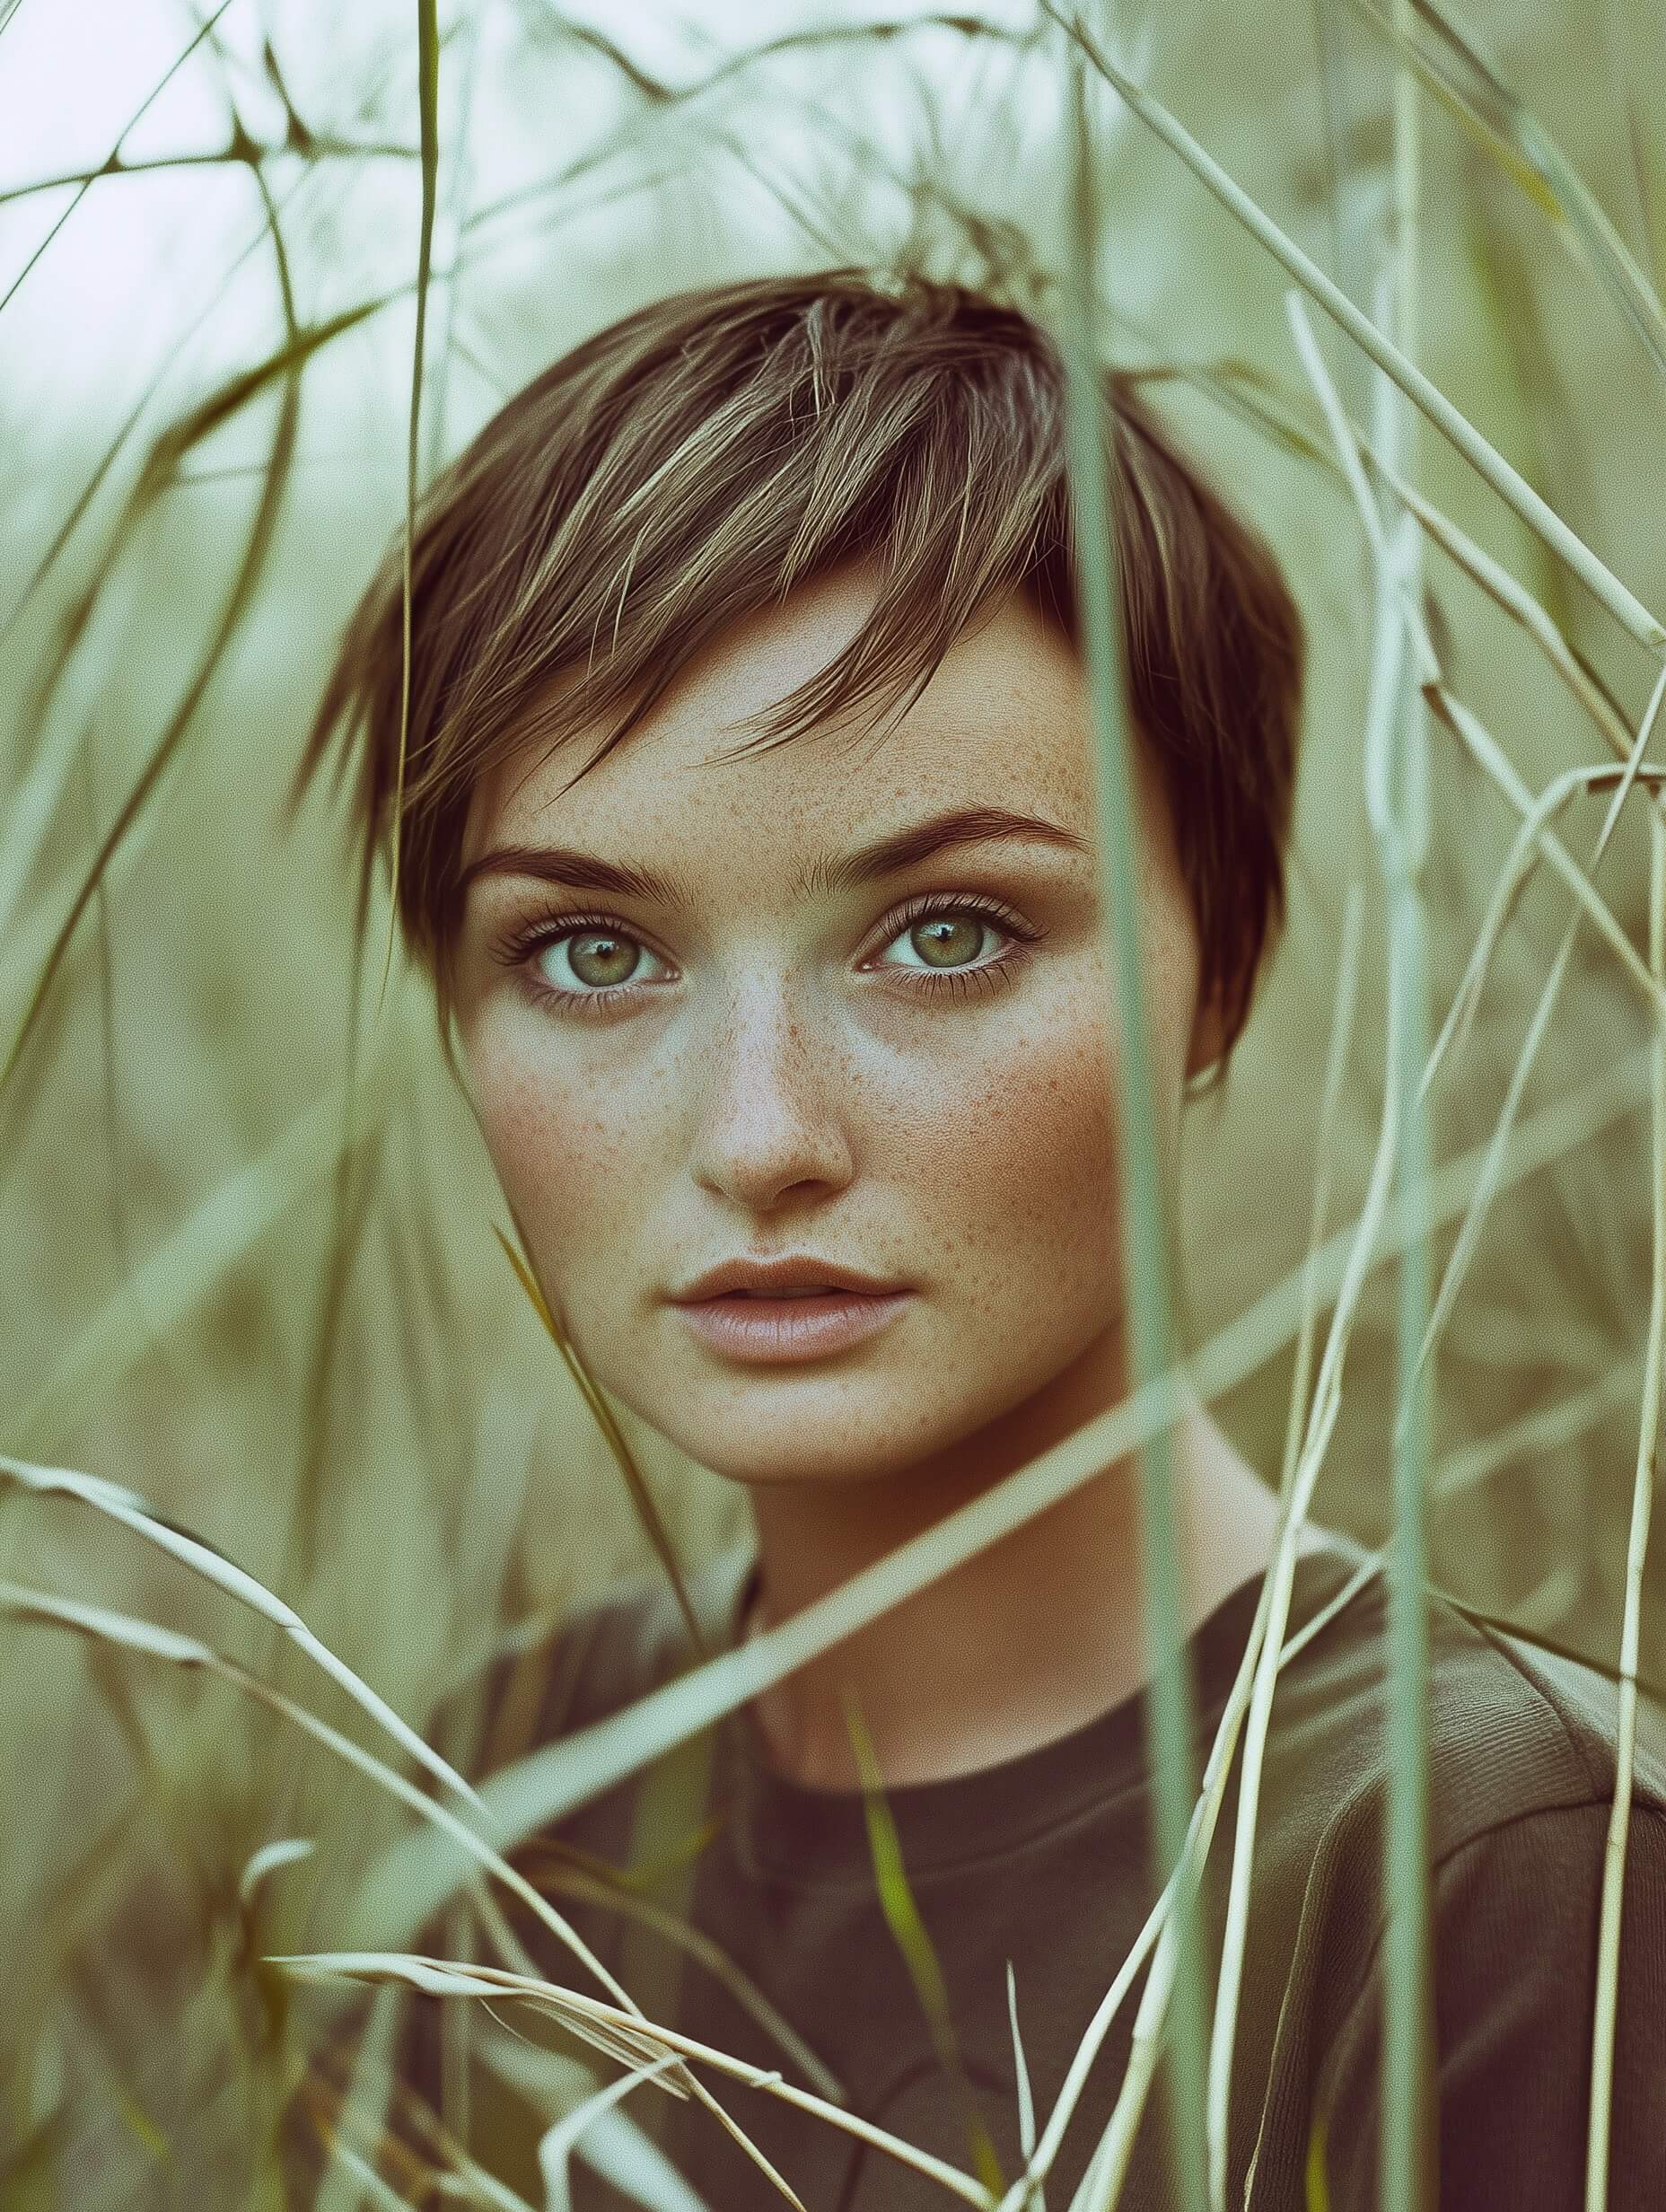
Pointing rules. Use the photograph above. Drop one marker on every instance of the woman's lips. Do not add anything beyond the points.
(769, 1331)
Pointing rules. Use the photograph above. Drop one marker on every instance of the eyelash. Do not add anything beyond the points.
(520, 947)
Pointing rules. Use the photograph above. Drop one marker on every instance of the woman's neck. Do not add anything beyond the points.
(1035, 1635)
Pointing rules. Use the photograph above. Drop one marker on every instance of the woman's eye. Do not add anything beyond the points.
(946, 940)
(593, 960)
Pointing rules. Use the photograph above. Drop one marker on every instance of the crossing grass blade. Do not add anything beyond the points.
(285, 368)
(428, 105)
(1452, 66)
(1606, 1995)
(1294, 1502)
(919, 1955)
(1509, 485)
(1401, 829)
(415, 1876)
(1148, 1229)
(125, 1632)
(624, 1458)
(132, 1512)
(87, 2007)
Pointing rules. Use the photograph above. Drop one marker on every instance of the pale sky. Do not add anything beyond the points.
(144, 277)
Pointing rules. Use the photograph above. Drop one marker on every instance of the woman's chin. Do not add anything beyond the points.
(783, 1447)
(801, 1446)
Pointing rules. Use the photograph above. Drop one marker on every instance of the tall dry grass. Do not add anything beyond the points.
(1396, 272)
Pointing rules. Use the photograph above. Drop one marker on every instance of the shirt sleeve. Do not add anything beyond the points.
(1514, 1917)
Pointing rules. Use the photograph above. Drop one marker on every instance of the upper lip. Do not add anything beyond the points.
(767, 1278)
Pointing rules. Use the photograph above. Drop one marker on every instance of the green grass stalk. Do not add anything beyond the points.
(1512, 487)
(615, 2030)
(1280, 1575)
(1469, 1235)
(1524, 854)
(428, 105)
(1396, 780)
(1606, 1996)
(1152, 1345)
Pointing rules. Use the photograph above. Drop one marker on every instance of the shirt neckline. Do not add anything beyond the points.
(786, 1830)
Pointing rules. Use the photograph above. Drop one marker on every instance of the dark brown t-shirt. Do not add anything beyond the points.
(1042, 1864)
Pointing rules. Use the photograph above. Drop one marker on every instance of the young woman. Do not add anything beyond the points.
(747, 826)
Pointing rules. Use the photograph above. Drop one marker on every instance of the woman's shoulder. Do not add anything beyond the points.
(1522, 1774)
(1519, 1727)
(1515, 1728)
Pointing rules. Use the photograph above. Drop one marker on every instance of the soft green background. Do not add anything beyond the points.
(168, 1213)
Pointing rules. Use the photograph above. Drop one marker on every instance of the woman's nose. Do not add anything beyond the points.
(773, 1130)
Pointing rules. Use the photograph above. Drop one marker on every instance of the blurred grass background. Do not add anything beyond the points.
(328, 1368)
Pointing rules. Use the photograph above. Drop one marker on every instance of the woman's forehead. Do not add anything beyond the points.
(1002, 726)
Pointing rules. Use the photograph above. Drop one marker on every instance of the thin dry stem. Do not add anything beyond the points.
(1648, 1441)
(1512, 488)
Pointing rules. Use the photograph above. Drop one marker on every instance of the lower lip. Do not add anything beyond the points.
(775, 1332)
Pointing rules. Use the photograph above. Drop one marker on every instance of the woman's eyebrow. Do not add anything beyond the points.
(937, 833)
(865, 863)
(575, 871)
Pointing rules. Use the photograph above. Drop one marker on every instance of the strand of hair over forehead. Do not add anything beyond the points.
(774, 457)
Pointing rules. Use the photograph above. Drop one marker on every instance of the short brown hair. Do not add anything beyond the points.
(689, 464)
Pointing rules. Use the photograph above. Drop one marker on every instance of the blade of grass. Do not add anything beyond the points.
(1512, 878)
(1281, 1573)
(1471, 89)
(355, 1180)
(597, 2021)
(913, 1941)
(106, 1626)
(1469, 1232)
(1396, 797)
(1244, 389)
(619, 2149)
(1583, 681)
(1151, 1348)
(449, 2171)
(429, 102)
(1034, 2199)
(641, 1497)
(596, 1889)
(1364, 1247)
(77, 508)
(1607, 1996)
(1484, 749)
(1480, 742)
(270, 1859)
(468, 85)
(1541, 519)
(1546, 1429)
(1476, 1214)
(1396, 800)
(365, 2101)
(133, 1511)
(87, 180)
(287, 364)
(555, 2147)
(1157, 1929)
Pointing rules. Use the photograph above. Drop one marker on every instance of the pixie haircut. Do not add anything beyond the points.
(689, 464)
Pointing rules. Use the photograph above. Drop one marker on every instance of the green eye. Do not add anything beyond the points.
(949, 940)
(600, 958)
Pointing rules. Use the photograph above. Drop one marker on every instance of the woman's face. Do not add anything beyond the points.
(842, 1002)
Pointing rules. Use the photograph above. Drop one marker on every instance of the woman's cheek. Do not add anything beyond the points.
(560, 1141)
(1019, 1188)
